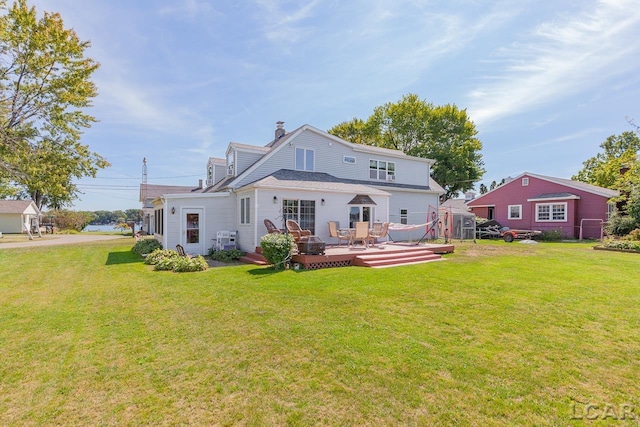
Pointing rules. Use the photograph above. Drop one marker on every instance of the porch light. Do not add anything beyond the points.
(173, 210)
(322, 202)
(275, 200)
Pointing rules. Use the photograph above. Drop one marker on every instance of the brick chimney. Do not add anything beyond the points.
(279, 130)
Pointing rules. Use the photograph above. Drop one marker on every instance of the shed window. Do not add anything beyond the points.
(515, 211)
(551, 212)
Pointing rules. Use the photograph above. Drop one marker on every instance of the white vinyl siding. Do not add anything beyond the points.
(329, 158)
(382, 170)
(305, 159)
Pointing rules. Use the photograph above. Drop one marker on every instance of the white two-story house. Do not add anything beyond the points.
(307, 175)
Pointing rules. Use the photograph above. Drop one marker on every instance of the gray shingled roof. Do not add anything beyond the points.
(152, 191)
(555, 196)
(606, 192)
(292, 175)
(362, 199)
(14, 206)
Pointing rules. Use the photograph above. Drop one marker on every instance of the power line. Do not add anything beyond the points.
(159, 177)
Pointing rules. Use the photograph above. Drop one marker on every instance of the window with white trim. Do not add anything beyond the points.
(305, 159)
(551, 212)
(245, 210)
(349, 159)
(525, 182)
(611, 209)
(404, 215)
(515, 211)
(381, 169)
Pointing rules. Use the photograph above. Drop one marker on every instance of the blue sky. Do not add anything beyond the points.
(545, 82)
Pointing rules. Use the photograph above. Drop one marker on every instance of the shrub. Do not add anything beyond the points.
(621, 225)
(164, 264)
(160, 254)
(170, 260)
(551, 235)
(146, 246)
(277, 248)
(227, 255)
(622, 244)
(634, 235)
(186, 264)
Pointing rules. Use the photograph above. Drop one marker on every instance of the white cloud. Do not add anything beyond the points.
(283, 24)
(189, 9)
(560, 58)
(576, 136)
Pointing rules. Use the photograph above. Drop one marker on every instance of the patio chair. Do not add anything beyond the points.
(379, 231)
(361, 233)
(335, 231)
(298, 233)
(271, 227)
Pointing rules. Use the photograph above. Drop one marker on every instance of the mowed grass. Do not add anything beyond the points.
(499, 334)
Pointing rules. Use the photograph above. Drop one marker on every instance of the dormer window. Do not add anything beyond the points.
(210, 175)
(230, 168)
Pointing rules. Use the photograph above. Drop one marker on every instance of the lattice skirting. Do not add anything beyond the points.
(328, 264)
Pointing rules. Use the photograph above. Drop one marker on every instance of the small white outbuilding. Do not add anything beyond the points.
(19, 216)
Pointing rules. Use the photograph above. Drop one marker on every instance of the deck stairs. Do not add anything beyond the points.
(407, 256)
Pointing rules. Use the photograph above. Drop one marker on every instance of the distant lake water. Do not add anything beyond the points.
(90, 228)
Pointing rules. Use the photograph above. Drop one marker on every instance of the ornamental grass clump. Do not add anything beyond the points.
(277, 249)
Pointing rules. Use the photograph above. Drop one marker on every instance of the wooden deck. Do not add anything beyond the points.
(380, 255)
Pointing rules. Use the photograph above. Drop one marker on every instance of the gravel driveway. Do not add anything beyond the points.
(62, 239)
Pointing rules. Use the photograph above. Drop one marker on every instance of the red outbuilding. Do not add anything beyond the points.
(537, 202)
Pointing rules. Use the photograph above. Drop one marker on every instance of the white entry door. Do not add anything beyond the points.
(192, 235)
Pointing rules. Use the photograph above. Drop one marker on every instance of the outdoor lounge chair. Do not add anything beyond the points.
(298, 233)
(335, 231)
(271, 227)
(181, 252)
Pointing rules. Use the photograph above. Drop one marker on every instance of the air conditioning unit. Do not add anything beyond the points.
(391, 177)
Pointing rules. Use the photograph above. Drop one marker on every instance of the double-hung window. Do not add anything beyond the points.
(515, 211)
(381, 169)
(305, 159)
(245, 210)
(551, 212)
(404, 215)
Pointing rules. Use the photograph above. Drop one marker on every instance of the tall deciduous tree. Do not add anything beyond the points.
(45, 84)
(419, 128)
(617, 167)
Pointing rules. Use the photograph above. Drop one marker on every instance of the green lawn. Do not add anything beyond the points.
(499, 334)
